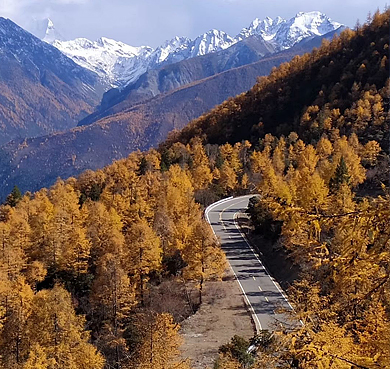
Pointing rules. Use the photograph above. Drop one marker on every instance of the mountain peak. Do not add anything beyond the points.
(45, 30)
(121, 64)
(286, 33)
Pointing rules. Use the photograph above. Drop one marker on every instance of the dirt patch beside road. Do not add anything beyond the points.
(222, 315)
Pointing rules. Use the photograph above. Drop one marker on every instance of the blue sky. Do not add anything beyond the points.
(151, 22)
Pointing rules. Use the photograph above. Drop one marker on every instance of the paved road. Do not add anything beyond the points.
(262, 293)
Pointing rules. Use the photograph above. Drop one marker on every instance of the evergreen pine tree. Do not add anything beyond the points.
(14, 197)
(341, 175)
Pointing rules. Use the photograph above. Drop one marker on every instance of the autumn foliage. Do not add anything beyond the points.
(78, 261)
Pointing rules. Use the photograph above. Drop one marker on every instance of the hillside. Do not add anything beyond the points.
(344, 85)
(42, 91)
(170, 77)
(139, 127)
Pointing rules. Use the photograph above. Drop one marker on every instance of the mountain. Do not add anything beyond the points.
(45, 30)
(137, 127)
(120, 64)
(114, 61)
(41, 90)
(286, 33)
(172, 76)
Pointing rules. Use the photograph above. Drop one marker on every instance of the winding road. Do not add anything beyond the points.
(262, 293)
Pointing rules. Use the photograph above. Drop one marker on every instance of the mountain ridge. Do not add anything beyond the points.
(121, 70)
(42, 90)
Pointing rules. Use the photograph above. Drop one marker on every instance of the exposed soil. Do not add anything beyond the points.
(222, 315)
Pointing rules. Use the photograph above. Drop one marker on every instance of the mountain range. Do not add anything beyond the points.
(120, 64)
(123, 128)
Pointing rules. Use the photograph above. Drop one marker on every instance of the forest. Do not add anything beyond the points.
(89, 267)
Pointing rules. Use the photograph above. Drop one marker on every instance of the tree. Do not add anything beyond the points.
(228, 179)
(37, 359)
(200, 171)
(341, 175)
(237, 349)
(70, 248)
(17, 303)
(160, 343)
(61, 333)
(205, 259)
(143, 251)
(14, 197)
(112, 298)
(104, 231)
(143, 166)
(181, 207)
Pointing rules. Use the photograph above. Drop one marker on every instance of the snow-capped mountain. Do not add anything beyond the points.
(112, 60)
(286, 33)
(45, 30)
(120, 64)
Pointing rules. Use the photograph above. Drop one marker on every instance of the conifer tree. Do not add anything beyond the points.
(14, 197)
(160, 343)
(61, 333)
(143, 252)
(341, 175)
(205, 260)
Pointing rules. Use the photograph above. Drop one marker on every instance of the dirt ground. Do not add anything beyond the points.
(222, 315)
(223, 312)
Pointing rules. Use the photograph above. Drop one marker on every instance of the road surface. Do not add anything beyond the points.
(262, 293)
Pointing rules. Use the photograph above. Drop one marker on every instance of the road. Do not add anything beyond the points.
(262, 293)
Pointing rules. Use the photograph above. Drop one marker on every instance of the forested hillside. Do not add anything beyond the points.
(344, 84)
(94, 263)
(102, 247)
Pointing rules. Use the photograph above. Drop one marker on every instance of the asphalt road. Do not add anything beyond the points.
(262, 293)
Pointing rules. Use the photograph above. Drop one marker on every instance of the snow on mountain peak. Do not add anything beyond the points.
(286, 33)
(45, 30)
(211, 41)
(120, 64)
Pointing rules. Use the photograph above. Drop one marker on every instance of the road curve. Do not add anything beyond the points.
(262, 293)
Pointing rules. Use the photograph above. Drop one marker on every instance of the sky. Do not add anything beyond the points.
(151, 22)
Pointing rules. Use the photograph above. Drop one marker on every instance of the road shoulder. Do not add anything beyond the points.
(222, 315)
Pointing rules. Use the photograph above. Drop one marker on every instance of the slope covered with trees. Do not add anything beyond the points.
(344, 84)
(130, 128)
(82, 262)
